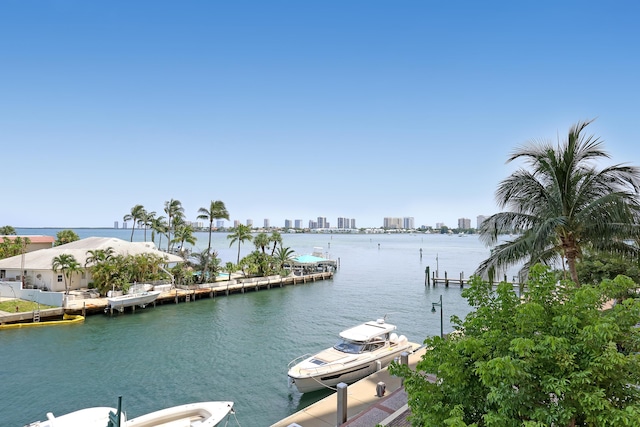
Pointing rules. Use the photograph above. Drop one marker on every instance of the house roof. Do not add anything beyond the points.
(41, 259)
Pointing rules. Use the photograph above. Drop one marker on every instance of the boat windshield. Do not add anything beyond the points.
(347, 346)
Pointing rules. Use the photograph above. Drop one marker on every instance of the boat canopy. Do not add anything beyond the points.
(367, 331)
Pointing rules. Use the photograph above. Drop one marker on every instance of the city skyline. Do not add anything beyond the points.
(352, 109)
(387, 222)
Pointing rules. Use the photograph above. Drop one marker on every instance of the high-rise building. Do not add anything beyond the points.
(236, 223)
(267, 223)
(115, 224)
(479, 220)
(298, 223)
(322, 222)
(220, 223)
(249, 223)
(287, 223)
(392, 222)
(408, 223)
(353, 223)
(464, 223)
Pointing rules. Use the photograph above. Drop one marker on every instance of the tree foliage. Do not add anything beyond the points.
(562, 203)
(12, 247)
(557, 356)
(65, 236)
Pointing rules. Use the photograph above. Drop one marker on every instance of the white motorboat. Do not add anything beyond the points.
(201, 414)
(361, 351)
(140, 299)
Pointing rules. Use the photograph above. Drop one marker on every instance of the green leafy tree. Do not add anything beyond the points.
(12, 247)
(7, 230)
(276, 239)
(65, 236)
(184, 233)
(240, 234)
(216, 210)
(160, 227)
(96, 256)
(174, 210)
(69, 266)
(558, 356)
(137, 214)
(283, 256)
(146, 221)
(563, 203)
(208, 265)
(261, 241)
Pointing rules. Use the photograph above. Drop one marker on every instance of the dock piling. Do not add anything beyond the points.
(342, 403)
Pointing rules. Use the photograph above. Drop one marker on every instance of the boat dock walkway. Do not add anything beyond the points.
(364, 407)
(209, 290)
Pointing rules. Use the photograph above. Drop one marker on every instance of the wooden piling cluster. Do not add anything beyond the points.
(435, 280)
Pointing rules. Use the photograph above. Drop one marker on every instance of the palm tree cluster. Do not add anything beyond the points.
(109, 270)
(564, 205)
(173, 226)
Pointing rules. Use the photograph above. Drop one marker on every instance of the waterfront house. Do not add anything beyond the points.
(37, 265)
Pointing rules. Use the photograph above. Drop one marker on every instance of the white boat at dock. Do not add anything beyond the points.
(140, 299)
(201, 414)
(361, 351)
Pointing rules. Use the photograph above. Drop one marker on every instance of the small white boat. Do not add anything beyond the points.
(361, 351)
(140, 299)
(201, 414)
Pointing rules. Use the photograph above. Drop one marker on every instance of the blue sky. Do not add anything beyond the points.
(299, 109)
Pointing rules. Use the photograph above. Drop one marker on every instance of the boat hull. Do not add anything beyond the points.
(140, 300)
(309, 380)
(201, 414)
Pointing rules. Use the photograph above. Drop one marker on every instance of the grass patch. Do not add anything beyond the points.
(21, 306)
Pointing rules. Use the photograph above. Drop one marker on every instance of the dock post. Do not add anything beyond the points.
(461, 279)
(426, 277)
(342, 403)
(434, 278)
(446, 280)
(404, 360)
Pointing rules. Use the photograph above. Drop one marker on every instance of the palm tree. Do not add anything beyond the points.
(184, 233)
(158, 225)
(146, 221)
(261, 241)
(284, 256)
(562, 205)
(136, 214)
(239, 234)
(173, 209)
(97, 256)
(68, 264)
(216, 210)
(276, 238)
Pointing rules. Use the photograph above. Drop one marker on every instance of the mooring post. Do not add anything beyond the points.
(461, 279)
(342, 403)
(426, 276)
(446, 280)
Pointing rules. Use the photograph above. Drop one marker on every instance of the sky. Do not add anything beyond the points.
(299, 109)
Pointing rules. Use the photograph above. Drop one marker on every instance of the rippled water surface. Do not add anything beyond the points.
(236, 347)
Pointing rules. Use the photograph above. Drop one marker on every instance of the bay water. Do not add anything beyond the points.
(233, 347)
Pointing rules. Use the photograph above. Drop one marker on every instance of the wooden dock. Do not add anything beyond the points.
(435, 280)
(208, 290)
